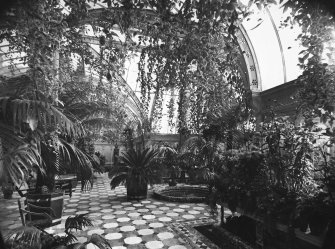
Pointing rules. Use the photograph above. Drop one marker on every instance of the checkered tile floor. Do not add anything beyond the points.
(136, 224)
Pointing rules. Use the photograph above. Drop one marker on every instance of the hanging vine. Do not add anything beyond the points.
(171, 109)
(158, 111)
(192, 53)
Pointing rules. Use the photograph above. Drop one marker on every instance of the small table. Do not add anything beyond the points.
(67, 183)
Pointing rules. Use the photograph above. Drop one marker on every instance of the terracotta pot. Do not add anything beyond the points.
(54, 200)
(317, 223)
(7, 194)
(137, 188)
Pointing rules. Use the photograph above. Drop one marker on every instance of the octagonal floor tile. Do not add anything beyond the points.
(149, 217)
(139, 222)
(110, 225)
(123, 219)
(177, 247)
(132, 240)
(164, 219)
(156, 224)
(154, 244)
(127, 228)
(165, 235)
(113, 236)
(144, 232)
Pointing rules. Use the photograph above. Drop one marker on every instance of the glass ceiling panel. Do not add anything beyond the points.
(263, 38)
(276, 47)
(290, 45)
(130, 76)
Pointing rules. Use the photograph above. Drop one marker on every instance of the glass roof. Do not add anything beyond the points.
(275, 48)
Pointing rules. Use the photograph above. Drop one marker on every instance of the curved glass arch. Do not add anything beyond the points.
(276, 47)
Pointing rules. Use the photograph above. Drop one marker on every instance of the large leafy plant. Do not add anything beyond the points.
(135, 163)
(35, 134)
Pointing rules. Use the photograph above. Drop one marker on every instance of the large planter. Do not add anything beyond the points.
(318, 223)
(137, 188)
(53, 200)
(7, 193)
(7, 190)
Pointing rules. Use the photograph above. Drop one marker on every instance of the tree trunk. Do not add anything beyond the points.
(2, 169)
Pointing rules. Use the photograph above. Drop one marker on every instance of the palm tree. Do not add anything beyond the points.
(30, 135)
(169, 159)
(136, 169)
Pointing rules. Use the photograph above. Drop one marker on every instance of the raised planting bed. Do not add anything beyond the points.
(222, 238)
(182, 193)
(207, 233)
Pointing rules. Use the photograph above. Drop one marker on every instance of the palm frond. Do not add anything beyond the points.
(78, 160)
(36, 113)
(139, 159)
(19, 106)
(118, 179)
(193, 144)
(19, 156)
(98, 241)
(164, 151)
(150, 155)
(121, 167)
(84, 109)
(77, 222)
(27, 237)
(134, 162)
(19, 161)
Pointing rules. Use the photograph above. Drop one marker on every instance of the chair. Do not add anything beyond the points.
(32, 215)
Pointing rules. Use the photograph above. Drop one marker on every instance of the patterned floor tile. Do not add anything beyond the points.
(147, 224)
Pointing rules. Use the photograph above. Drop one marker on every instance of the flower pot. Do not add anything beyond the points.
(317, 223)
(137, 188)
(7, 194)
(53, 200)
(8, 190)
(302, 220)
(172, 182)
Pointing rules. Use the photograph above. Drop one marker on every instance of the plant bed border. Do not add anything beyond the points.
(162, 193)
(313, 240)
(195, 239)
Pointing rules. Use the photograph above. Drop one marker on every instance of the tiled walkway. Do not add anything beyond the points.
(145, 224)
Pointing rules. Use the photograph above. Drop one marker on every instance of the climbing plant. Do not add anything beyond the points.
(186, 48)
(317, 89)
(191, 48)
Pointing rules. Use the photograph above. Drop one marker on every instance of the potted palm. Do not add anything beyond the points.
(169, 161)
(136, 170)
(33, 137)
(7, 190)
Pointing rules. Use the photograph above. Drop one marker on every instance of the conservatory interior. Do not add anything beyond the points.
(173, 124)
